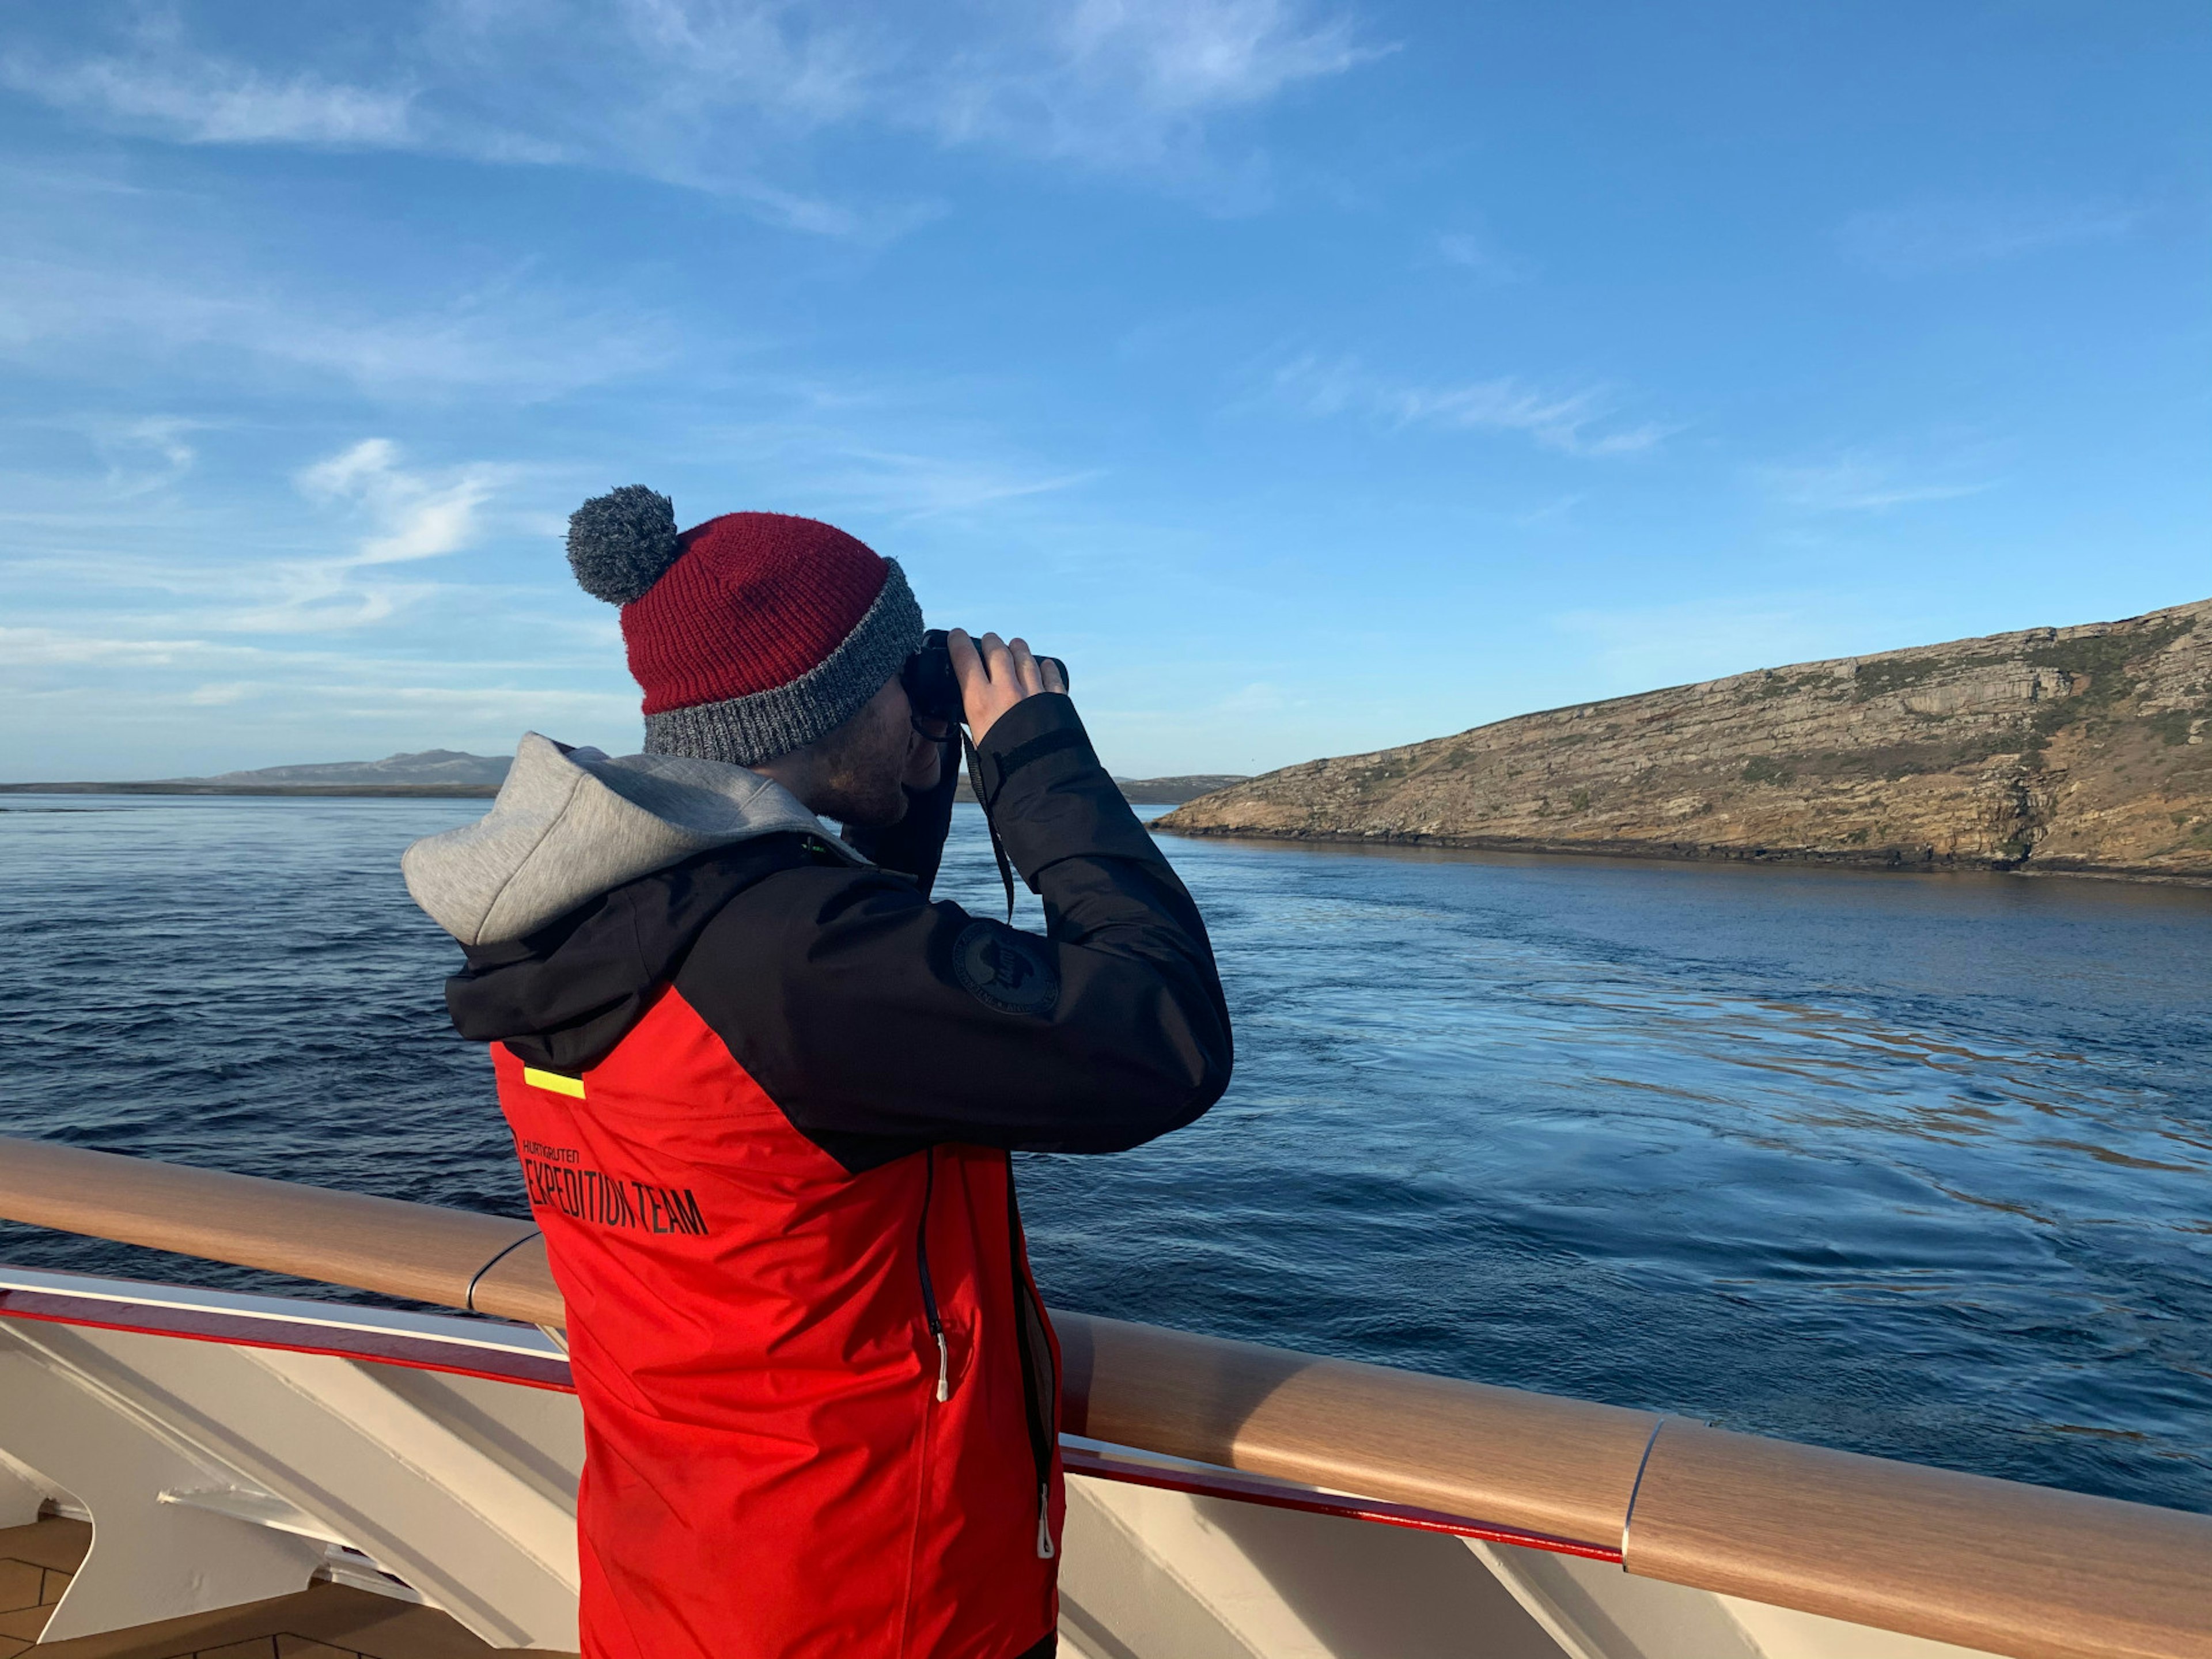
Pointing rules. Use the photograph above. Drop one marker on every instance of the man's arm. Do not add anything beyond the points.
(879, 1021)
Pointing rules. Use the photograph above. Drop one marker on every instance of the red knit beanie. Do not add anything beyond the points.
(753, 634)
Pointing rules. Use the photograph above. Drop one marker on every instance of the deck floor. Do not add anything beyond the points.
(323, 1621)
(36, 1563)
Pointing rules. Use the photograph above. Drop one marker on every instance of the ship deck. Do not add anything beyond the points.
(325, 1621)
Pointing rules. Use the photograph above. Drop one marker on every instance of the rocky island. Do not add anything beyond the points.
(2085, 750)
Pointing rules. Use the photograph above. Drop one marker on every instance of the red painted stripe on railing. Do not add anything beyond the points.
(244, 1330)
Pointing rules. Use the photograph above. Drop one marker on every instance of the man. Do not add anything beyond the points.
(764, 1092)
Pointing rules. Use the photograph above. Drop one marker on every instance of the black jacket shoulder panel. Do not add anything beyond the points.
(564, 996)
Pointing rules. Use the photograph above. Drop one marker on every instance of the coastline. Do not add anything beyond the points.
(1888, 859)
(1139, 791)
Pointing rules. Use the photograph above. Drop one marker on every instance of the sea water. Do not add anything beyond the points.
(1914, 1165)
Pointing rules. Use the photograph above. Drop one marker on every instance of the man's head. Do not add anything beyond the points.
(762, 640)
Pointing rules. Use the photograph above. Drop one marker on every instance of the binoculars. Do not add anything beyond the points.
(931, 686)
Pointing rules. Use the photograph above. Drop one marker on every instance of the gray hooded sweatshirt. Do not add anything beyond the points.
(571, 824)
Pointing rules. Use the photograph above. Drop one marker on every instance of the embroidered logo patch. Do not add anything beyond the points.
(1005, 970)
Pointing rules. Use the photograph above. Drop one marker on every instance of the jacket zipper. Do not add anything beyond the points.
(928, 1289)
(1040, 1374)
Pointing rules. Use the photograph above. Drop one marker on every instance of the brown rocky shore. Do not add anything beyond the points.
(2084, 749)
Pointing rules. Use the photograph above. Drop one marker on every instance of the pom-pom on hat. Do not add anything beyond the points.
(752, 635)
(620, 543)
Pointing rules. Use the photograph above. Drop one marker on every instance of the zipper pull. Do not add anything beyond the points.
(944, 1370)
(1044, 1523)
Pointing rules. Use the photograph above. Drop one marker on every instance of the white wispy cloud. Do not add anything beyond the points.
(1932, 236)
(408, 514)
(798, 68)
(531, 341)
(147, 455)
(923, 486)
(852, 445)
(417, 516)
(60, 647)
(715, 93)
(203, 99)
(381, 520)
(681, 89)
(108, 641)
(1579, 421)
(1861, 481)
(1130, 83)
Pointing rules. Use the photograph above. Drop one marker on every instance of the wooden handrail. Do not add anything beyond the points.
(1531, 1460)
(1994, 1564)
(414, 1250)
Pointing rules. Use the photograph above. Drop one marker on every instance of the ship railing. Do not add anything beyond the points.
(1992, 1564)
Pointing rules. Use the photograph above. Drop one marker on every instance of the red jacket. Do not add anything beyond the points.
(764, 1099)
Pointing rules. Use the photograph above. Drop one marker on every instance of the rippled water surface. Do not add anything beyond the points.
(1912, 1166)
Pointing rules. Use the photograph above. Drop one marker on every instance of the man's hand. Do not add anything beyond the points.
(995, 674)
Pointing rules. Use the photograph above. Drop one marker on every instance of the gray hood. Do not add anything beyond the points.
(571, 823)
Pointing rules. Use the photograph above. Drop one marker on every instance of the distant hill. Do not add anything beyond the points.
(430, 766)
(2085, 749)
(453, 772)
(433, 772)
(1174, 791)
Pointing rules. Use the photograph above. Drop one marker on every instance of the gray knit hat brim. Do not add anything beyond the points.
(749, 730)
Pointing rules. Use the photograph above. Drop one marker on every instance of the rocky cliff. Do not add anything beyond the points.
(2084, 749)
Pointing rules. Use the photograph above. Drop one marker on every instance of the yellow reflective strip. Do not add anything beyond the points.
(553, 1080)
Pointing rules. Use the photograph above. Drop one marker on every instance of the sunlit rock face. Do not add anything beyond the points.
(2086, 748)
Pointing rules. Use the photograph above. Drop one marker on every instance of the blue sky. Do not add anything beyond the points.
(1313, 377)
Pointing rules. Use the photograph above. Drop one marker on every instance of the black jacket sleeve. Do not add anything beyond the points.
(880, 1022)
